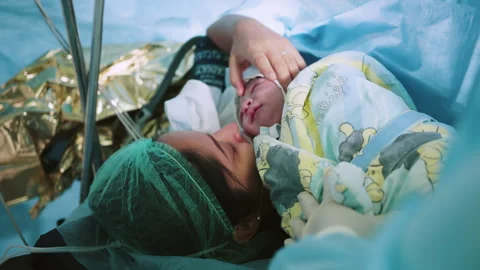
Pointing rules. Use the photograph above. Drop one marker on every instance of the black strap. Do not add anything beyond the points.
(147, 110)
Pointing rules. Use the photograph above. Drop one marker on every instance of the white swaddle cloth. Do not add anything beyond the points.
(200, 107)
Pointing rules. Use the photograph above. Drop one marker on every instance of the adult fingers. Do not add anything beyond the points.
(327, 192)
(297, 227)
(291, 64)
(299, 59)
(308, 203)
(236, 74)
(288, 242)
(280, 67)
(261, 62)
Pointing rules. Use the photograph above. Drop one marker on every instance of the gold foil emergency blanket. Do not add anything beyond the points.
(41, 121)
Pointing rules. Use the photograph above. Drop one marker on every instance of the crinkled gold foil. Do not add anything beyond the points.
(41, 121)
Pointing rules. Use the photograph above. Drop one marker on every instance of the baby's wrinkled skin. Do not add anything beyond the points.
(260, 106)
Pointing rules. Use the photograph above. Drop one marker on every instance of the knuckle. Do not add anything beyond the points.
(250, 46)
(258, 58)
(284, 77)
(293, 67)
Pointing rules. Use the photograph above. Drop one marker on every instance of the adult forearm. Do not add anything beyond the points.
(222, 31)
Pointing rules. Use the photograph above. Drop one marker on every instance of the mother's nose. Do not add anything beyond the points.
(229, 133)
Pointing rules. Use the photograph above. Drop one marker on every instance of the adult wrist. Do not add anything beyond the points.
(244, 23)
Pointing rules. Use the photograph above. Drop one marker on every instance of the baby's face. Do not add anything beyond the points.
(260, 106)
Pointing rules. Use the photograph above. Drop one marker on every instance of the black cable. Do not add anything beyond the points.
(148, 109)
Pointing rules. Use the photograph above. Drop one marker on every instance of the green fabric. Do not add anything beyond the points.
(151, 199)
(150, 209)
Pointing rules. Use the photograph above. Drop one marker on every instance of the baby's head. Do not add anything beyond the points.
(262, 103)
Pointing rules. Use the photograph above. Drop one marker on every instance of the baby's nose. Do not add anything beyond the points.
(246, 104)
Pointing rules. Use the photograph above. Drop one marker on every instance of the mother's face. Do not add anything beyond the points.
(227, 147)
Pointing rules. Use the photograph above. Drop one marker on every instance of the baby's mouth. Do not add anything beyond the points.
(254, 112)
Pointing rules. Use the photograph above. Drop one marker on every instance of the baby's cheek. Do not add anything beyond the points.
(240, 100)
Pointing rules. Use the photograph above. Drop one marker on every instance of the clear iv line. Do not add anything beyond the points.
(15, 226)
(67, 249)
(5, 257)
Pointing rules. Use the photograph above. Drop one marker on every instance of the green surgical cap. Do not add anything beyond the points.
(151, 199)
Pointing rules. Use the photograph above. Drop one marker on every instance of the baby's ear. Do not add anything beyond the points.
(245, 229)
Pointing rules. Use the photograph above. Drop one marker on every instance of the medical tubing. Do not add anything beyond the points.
(91, 106)
(128, 120)
(79, 65)
(149, 108)
(75, 49)
(52, 27)
(67, 249)
(5, 257)
(122, 116)
(14, 223)
(203, 252)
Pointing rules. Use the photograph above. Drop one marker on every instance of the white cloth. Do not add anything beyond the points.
(200, 107)
(204, 108)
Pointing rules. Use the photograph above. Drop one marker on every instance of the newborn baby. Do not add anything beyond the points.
(345, 118)
(261, 104)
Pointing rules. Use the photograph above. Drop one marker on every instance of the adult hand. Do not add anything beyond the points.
(274, 56)
(330, 215)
